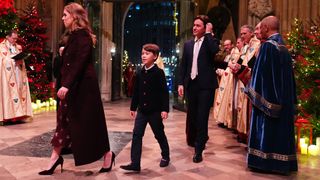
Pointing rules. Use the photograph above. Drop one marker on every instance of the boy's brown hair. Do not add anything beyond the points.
(152, 48)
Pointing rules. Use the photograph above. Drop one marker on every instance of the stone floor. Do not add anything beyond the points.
(24, 151)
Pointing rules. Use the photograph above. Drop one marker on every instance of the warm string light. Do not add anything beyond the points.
(34, 38)
(305, 46)
(8, 17)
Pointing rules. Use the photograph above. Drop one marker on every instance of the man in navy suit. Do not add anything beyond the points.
(198, 79)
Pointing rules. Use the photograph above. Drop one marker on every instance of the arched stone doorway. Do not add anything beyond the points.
(156, 23)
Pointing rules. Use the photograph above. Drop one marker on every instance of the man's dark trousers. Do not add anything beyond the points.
(199, 104)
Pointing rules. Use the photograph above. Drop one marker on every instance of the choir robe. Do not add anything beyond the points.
(223, 104)
(242, 100)
(273, 96)
(15, 99)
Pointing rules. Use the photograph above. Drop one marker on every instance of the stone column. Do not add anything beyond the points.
(186, 21)
(57, 26)
(243, 13)
(106, 46)
(315, 8)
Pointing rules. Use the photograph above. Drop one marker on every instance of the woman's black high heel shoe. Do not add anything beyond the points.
(102, 170)
(51, 170)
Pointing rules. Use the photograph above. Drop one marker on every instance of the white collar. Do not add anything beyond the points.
(198, 39)
(145, 67)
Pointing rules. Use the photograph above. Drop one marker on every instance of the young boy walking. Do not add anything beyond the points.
(150, 104)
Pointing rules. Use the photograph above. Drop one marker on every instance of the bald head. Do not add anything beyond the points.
(269, 25)
(271, 22)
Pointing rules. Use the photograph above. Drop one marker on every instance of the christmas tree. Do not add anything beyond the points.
(34, 38)
(304, 43)
(8, 17)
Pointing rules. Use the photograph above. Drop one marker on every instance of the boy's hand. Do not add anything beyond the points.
(180, 90)
(133, 114)
(164, 115)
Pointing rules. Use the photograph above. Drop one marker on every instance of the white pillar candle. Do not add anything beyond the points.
(304, 148)
(38, 102)
(318, 142)
(313, 150)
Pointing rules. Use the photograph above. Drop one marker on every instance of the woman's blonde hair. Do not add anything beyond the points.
(80, 17)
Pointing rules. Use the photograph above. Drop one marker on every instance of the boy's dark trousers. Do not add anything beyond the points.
(155, 121)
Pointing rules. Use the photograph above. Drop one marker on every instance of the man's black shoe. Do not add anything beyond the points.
(131, 167)
(164, 163)
(221, 125)
(197, 158)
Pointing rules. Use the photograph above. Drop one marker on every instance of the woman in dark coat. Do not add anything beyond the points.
(81, 122)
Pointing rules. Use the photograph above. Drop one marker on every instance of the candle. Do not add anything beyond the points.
(50, 101)
(313, 150)
(304, 148)
(54, 102)
(318, 142)
(34, 106)
(302, 141)
(38, 102)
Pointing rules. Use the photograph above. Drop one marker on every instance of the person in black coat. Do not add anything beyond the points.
(150, 104)
(198, 79)
(81, 123)
(57, 63)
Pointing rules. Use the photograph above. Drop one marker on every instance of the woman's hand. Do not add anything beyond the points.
(62, 92)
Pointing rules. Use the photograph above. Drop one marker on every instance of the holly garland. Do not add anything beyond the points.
(304, 43)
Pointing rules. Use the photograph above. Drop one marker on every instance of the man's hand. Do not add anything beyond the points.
(180, 90)
(18, 62)
(19, 47)
(234, 66)
(219, 72)
(164, 115)
(209, 28)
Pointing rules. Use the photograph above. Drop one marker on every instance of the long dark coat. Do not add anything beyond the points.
(82, 110)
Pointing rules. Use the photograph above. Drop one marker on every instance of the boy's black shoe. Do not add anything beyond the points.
(164, 162)
(131, 167)
(197, 157)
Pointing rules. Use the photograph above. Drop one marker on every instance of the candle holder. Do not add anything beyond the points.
(303, 124)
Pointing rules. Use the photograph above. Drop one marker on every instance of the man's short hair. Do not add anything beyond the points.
(251, 29)
(9, 33)
(152, 48)
(204, 18)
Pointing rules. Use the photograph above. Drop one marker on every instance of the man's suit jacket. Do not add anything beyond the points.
(207, 77)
